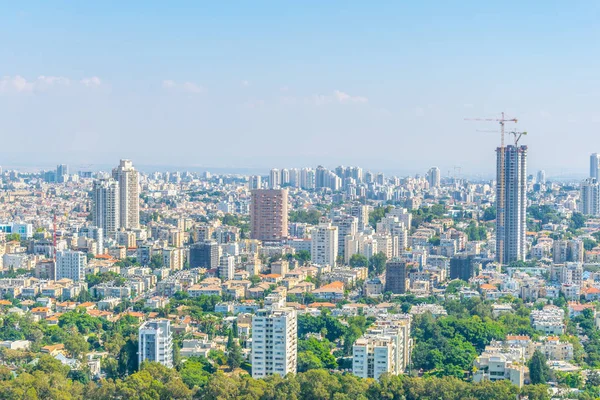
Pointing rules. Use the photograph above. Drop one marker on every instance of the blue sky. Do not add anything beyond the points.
(384, 85)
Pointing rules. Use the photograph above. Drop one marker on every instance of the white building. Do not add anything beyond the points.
(433, 177)
(226, 267)
(129, 194)
(71, 265)
(274, 342)
(324, 244)
(156, 342)
(105, 205)
(590, 197)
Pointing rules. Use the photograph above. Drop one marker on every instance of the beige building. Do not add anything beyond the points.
(129, 194)
(269, 214)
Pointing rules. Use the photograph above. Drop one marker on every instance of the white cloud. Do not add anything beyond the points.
(93, 81)
(189, 87)
(19, 84)
(338, 97)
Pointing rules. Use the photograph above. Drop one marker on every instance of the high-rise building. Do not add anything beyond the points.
(96, 233)
(590, 197)
(595, 166)
(274, 342)
(434, 177)
(275, 179)
(227, 267)
(347, 225)
(269, 214)
(362, 213)
(156, 342)
(324, 244)
(511, 203)
(541, 177)
(396, 276)
(463, 267)
(62, 173)
(204, 254)
(254, 182)
(173, 258)
(105, 205)
(71, 265)
(129, 194)
(307, 178)
(285, 177)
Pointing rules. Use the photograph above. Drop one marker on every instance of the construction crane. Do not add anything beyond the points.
(517, 136)
(500, 194)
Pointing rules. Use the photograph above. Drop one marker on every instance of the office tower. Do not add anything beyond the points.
(324, 244)
(511, 203)
(71, 265)
(227, 267)
(541, 177)
(590, 197)
(105, 205)
(595, 166)
(129, 194)
(275, 179)
(254, 182)
(269, 214)
(204, 254)
(361, 212)
(274, 342)
(396, 276)
(155, 342)
(433, 177)
(347, 225)
(463, 267)
(62, 173)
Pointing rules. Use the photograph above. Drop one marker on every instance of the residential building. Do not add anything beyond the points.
(129, 194)
(226, 267)
(156, 342)
(396, 276)
(204, 254)
(324, 244)
(71, 265)
(434, 177)
(105, 205)
(269, 214)
(590, 197)
(595, 166)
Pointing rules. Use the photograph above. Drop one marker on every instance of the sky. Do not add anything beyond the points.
(386, 85)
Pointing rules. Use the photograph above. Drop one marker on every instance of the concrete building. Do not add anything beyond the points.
(129, 194)
(462, 266)
(347, 225)
(324, 244)
(71, 265)
(269, 214)
(204, 254)
(156, 342)
(590, 197)
(396, 276)
(511, 226)
(105, 205)
(226, 267)
(434, 177)
(274, 342)
(595, 166)
(173, 258)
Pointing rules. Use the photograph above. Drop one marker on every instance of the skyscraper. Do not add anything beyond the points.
(254, 182)
(434, 177)
(324, 244)
(595, 166)
(275, 178)
(590, 197)
(129, 194)
(541, 177)
(71, 265)
(511, 203)
(396, 276)
(62, 173)
(269, 214)
(156, 342)
(274, 342)
(105, 205)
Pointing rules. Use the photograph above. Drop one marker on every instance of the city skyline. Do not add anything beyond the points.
(210, 75)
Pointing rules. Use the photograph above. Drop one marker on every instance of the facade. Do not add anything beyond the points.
(274, 342)
(227, 267)
(204, 254)
(324, 244)
(269, 214)
(396, 276)
(347, 225)
(129, 194)
(156, 342)
(434, 177)
(462, 267)
(105, 205)
(173, 258)
(595, 166)
(70, 265)
(511, 226)
(590, 197)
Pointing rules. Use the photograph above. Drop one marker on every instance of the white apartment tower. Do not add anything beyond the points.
(275, 178)
(595, 166)
(590, 197)
(324, 244)
(129, 194)
(511, 201)
(105, 205)
(274, 342)
(71, 265)
(156, 342)
(434, 177)
(226, 267)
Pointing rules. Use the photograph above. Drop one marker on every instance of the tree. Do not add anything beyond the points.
(377, 263)
(234, 356)
(489, 214)
(539, 371)
(76, 345)
(358, 260)
(577, 220)
(307, 360)
(156, 261)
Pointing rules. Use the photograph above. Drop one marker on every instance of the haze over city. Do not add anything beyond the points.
(261, 84)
